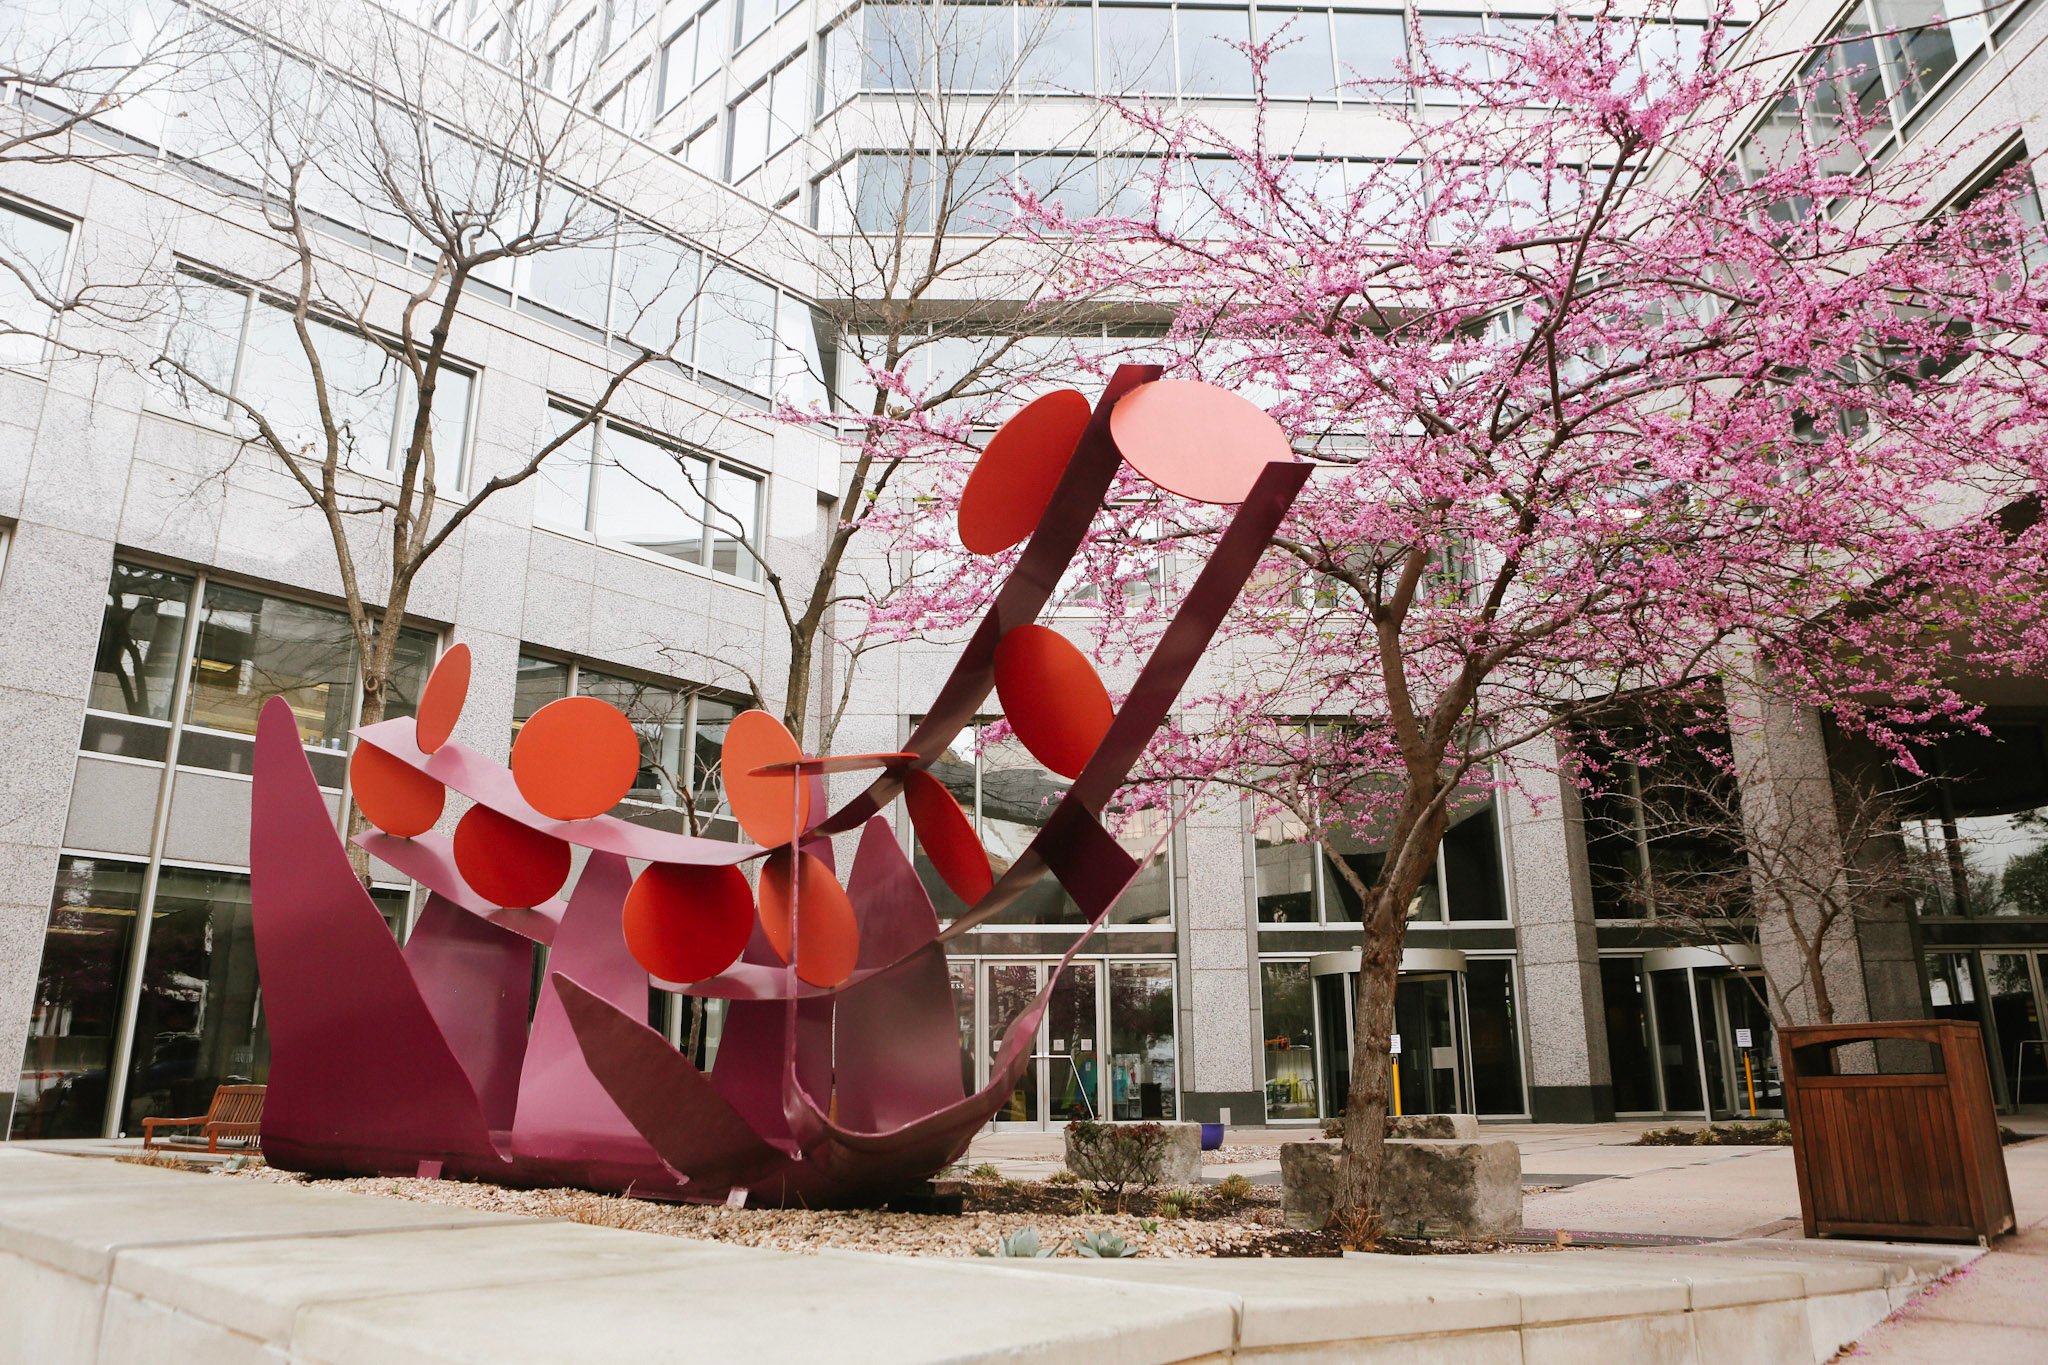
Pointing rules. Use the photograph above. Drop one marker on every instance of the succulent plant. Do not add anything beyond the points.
(1021, 1244)
(1179, 1203)
(1104, 1245)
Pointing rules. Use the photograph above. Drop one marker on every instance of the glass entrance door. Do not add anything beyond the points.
(1064, 1078)
(1426, 1022)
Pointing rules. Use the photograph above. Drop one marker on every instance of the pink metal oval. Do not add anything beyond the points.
(1056, 705)
(948, 839)
(1195, 439)
(686, 923)
(1013, 481)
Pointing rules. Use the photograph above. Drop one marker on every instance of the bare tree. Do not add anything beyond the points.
(1722, 865)
(366, 140)
(73, 75)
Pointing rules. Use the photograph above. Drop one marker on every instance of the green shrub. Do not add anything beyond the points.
(1117, 1158)
(1063, 1177)
(1179, 1203)
(1234, 1187)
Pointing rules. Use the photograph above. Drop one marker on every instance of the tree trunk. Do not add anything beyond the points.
(1365, 1112)
(1412, 841)
(375, 690)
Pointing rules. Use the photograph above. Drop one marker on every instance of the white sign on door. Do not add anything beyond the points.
(1742, 1038)
(1395, 1048)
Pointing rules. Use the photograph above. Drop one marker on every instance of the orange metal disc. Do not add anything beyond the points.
(1195, 439)
(441, 700)
(576, 758)
(828, 935)
(764, 803)
(1055, 703)
(508, 863)
(947, 837)
(684, 923)
(392, 795)
(1013, 481)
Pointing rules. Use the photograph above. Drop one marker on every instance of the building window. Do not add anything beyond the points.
(1299, 879)
(74, 1016)
(39, 246)
(681, 729)
(1008, 798)
(247, 646)
(896, 47)
(623, 485)
(1981, 831)
(692, 55)
(1662, 822)
(1287, 1000)
(230, 341)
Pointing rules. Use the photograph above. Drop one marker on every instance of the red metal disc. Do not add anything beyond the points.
(948, 838)
(1195, 439)
(508, 863)
(828, 935)
(764, 804)
(392, 795)
(685, 923)
(1055, 703)
(441, 700)
(1013, 481)
(576, 758)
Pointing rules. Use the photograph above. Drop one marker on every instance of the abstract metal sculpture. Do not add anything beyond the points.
(837, 1079)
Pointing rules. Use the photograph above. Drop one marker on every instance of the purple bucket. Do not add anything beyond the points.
(1212, 1136)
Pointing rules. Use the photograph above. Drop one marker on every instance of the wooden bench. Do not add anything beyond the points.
(236, 1112)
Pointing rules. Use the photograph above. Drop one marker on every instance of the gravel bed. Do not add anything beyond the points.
(1235, 1155)
(1251, 1227)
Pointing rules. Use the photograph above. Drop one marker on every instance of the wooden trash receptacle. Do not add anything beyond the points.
(1912, 1155)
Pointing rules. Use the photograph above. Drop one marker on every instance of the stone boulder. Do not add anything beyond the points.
(1468, 1189)
(1433, 1126)
(1180, 1160)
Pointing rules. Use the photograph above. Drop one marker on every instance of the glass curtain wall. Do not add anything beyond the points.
(146, 994)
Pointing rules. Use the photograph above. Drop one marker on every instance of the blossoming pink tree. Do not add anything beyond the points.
(1613, 397)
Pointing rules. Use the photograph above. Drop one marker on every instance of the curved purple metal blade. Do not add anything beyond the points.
(474, 978)
(361, 1077)
(565, 1114)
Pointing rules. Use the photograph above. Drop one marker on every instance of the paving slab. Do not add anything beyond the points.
(80, 1229)
(765, 1309)
(1300, 1301)
(259, 1288)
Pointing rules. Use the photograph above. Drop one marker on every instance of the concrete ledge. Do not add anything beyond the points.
(116, 1264)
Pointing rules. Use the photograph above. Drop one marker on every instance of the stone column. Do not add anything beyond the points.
(1219, 1003)
(1781, 755)
(1561, 1012)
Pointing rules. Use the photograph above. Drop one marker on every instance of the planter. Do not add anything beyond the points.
(1462, 1188)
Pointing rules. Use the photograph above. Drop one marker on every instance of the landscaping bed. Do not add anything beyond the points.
(1243, 1222)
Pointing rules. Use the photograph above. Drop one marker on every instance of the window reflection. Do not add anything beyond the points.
(62, 1092)
(1288, 1000)
(1141, 1051)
